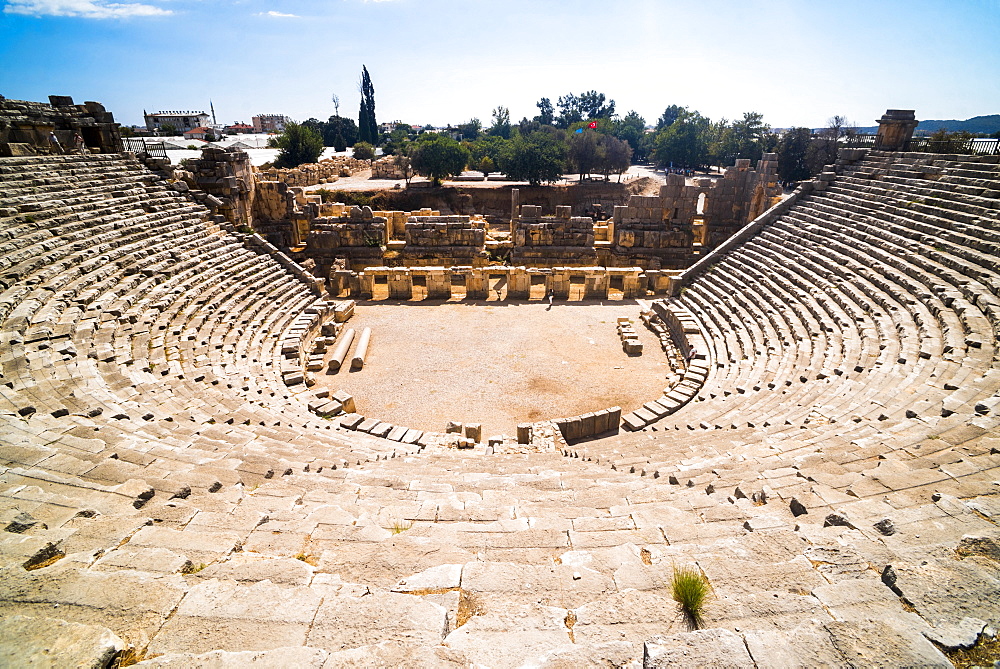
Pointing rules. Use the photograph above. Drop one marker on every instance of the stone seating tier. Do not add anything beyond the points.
(164, 490)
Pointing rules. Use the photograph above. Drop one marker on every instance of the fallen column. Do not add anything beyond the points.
(340, 353)
(362, 349)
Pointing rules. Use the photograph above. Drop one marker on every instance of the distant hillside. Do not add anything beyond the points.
(976, 124)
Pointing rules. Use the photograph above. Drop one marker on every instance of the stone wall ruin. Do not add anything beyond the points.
(658, 232)
(25, 126)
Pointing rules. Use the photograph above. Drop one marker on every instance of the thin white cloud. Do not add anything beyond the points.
(278, 15)
(87, 9)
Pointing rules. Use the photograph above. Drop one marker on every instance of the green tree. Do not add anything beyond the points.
(486, 152)
(367, 126)
(792, 150)
(546, 112)
(405, 165)
(749, 138)
(340, 132)
(397, 140)
(824, 146)
(470, 130)
(314, 124)
(586, 106)
(484, 165)
(613, 155)
(684, 142)
(942, 141)
(582, 151)
(298, 145)
(168, 130)
(438, 157)
(364, 151)
(536, 158)
(501, 123)
(669, 115)
(631, 129)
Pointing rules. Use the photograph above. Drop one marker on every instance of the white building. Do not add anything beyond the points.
(180, 120)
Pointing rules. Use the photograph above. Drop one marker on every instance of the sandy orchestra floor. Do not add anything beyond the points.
(497, 363)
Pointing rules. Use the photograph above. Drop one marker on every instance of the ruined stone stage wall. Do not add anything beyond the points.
(513, 283)
(25, 126)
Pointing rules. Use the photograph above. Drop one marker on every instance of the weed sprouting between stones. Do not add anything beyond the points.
(691, 590)
(400, 526)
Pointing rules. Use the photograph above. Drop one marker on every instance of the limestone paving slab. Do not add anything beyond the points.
(308, 658)
(349, 622)
(132, 604)
(707, 648)
(227, 615)
(51, 642)
(511, 637)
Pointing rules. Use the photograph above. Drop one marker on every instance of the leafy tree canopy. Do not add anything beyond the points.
(632, 129)
(340, 132)
(298, 144)
(669, 115)
(792, 150)
(684, 142)
(438, 157)
(487, 146)
(471, 129)
(546, 112)
(501, 123)
(587, 106)
(748, 137)
(364, 151)
(535, 158)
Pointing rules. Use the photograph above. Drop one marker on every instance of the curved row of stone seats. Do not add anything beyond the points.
(878, 348)
(925, 305)
(98, 302)
(202, 531)
(822, 352)
(506, 561)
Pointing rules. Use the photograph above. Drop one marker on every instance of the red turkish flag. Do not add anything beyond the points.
(593, 124)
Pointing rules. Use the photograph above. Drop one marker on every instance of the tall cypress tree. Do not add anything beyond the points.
(367, 126)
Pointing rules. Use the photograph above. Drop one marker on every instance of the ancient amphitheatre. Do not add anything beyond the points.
(186, 483)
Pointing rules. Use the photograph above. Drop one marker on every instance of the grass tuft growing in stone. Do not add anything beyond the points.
(400, 526)
(691, 590)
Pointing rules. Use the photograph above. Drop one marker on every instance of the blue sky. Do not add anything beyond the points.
(445, 61)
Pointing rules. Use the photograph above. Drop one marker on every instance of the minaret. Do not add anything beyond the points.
(212, 107)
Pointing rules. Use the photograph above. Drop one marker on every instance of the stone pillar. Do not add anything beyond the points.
(438, 284)
(674, 286)
(518, 284)
(366, 285)
(895, 129)
(339, 281)
(630, 284)
(524, 433)
(658, 282)
(515, 201)
(396, 224)
(595, 286)
(400, 284)
(477, 284)
(558, 283)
